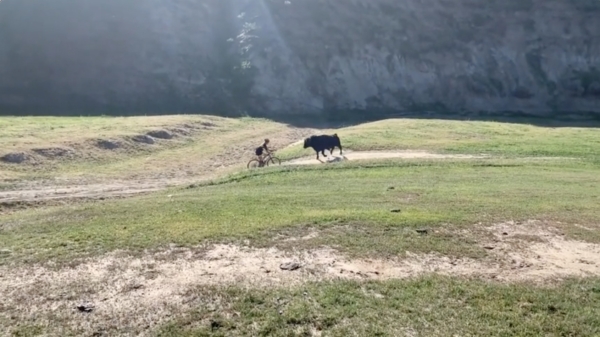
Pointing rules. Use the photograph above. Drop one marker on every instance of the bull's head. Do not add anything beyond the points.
(306, 142)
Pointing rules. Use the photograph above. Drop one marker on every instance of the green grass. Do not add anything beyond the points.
(25, 132)
(430, 306)
(250, 204)
(188, 154)
(501, 139)
(191, 155)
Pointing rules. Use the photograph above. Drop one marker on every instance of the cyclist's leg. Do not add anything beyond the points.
(261, 159)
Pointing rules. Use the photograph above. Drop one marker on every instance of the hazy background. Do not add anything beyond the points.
(284, 59)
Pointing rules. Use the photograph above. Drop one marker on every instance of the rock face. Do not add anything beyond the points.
(540, 57)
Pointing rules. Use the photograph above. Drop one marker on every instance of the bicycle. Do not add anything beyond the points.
(269, 159)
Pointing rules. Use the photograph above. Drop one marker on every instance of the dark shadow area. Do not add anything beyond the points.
(339, 119)
(344, 118)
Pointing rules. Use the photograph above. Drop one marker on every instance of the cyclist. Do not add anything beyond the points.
(260, 151)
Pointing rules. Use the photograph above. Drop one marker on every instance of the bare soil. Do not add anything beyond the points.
(335, 157)
(369, 155)
(143, 292)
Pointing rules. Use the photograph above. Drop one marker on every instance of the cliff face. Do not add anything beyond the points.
(300, 56)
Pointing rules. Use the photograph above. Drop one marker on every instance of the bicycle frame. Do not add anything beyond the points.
(266, 158)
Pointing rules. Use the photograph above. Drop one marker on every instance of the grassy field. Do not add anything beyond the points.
(196, 141)
(430, 306)
(363, 209)
(250, 205)
(79, 136)
(21, 133)
(500, 139)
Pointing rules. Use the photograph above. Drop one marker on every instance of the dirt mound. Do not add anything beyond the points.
(367, 155)
(15, 158)
(143, 139)
(54, 152)
(108, 144)
(160, 134)
(181, 131)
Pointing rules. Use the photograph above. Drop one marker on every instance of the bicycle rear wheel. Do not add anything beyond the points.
(274, 161)
(254, 163)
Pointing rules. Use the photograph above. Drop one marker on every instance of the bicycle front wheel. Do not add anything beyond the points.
(254, 163)
(274, 161)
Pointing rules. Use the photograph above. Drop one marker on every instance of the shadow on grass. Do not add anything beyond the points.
(327, 119)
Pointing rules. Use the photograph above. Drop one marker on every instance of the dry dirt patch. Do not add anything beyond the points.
(533, 250)
(367, 155)
(142, 292)
(405, 154)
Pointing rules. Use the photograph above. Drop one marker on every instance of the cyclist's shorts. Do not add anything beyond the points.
(259, 151)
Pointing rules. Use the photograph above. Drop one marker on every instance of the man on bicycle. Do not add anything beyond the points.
(260, 151)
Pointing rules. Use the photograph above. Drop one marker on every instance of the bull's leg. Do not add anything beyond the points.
(340, 149)
(318, 157)
(323, 153)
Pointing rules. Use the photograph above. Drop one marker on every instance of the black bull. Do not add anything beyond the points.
(322, 143)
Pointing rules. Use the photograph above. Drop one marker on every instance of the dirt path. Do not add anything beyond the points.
(89, 191)
(367, 155)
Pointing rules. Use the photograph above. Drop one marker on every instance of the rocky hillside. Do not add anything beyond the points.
(299, 56)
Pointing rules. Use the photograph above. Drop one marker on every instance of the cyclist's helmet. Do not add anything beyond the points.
(266, 140)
